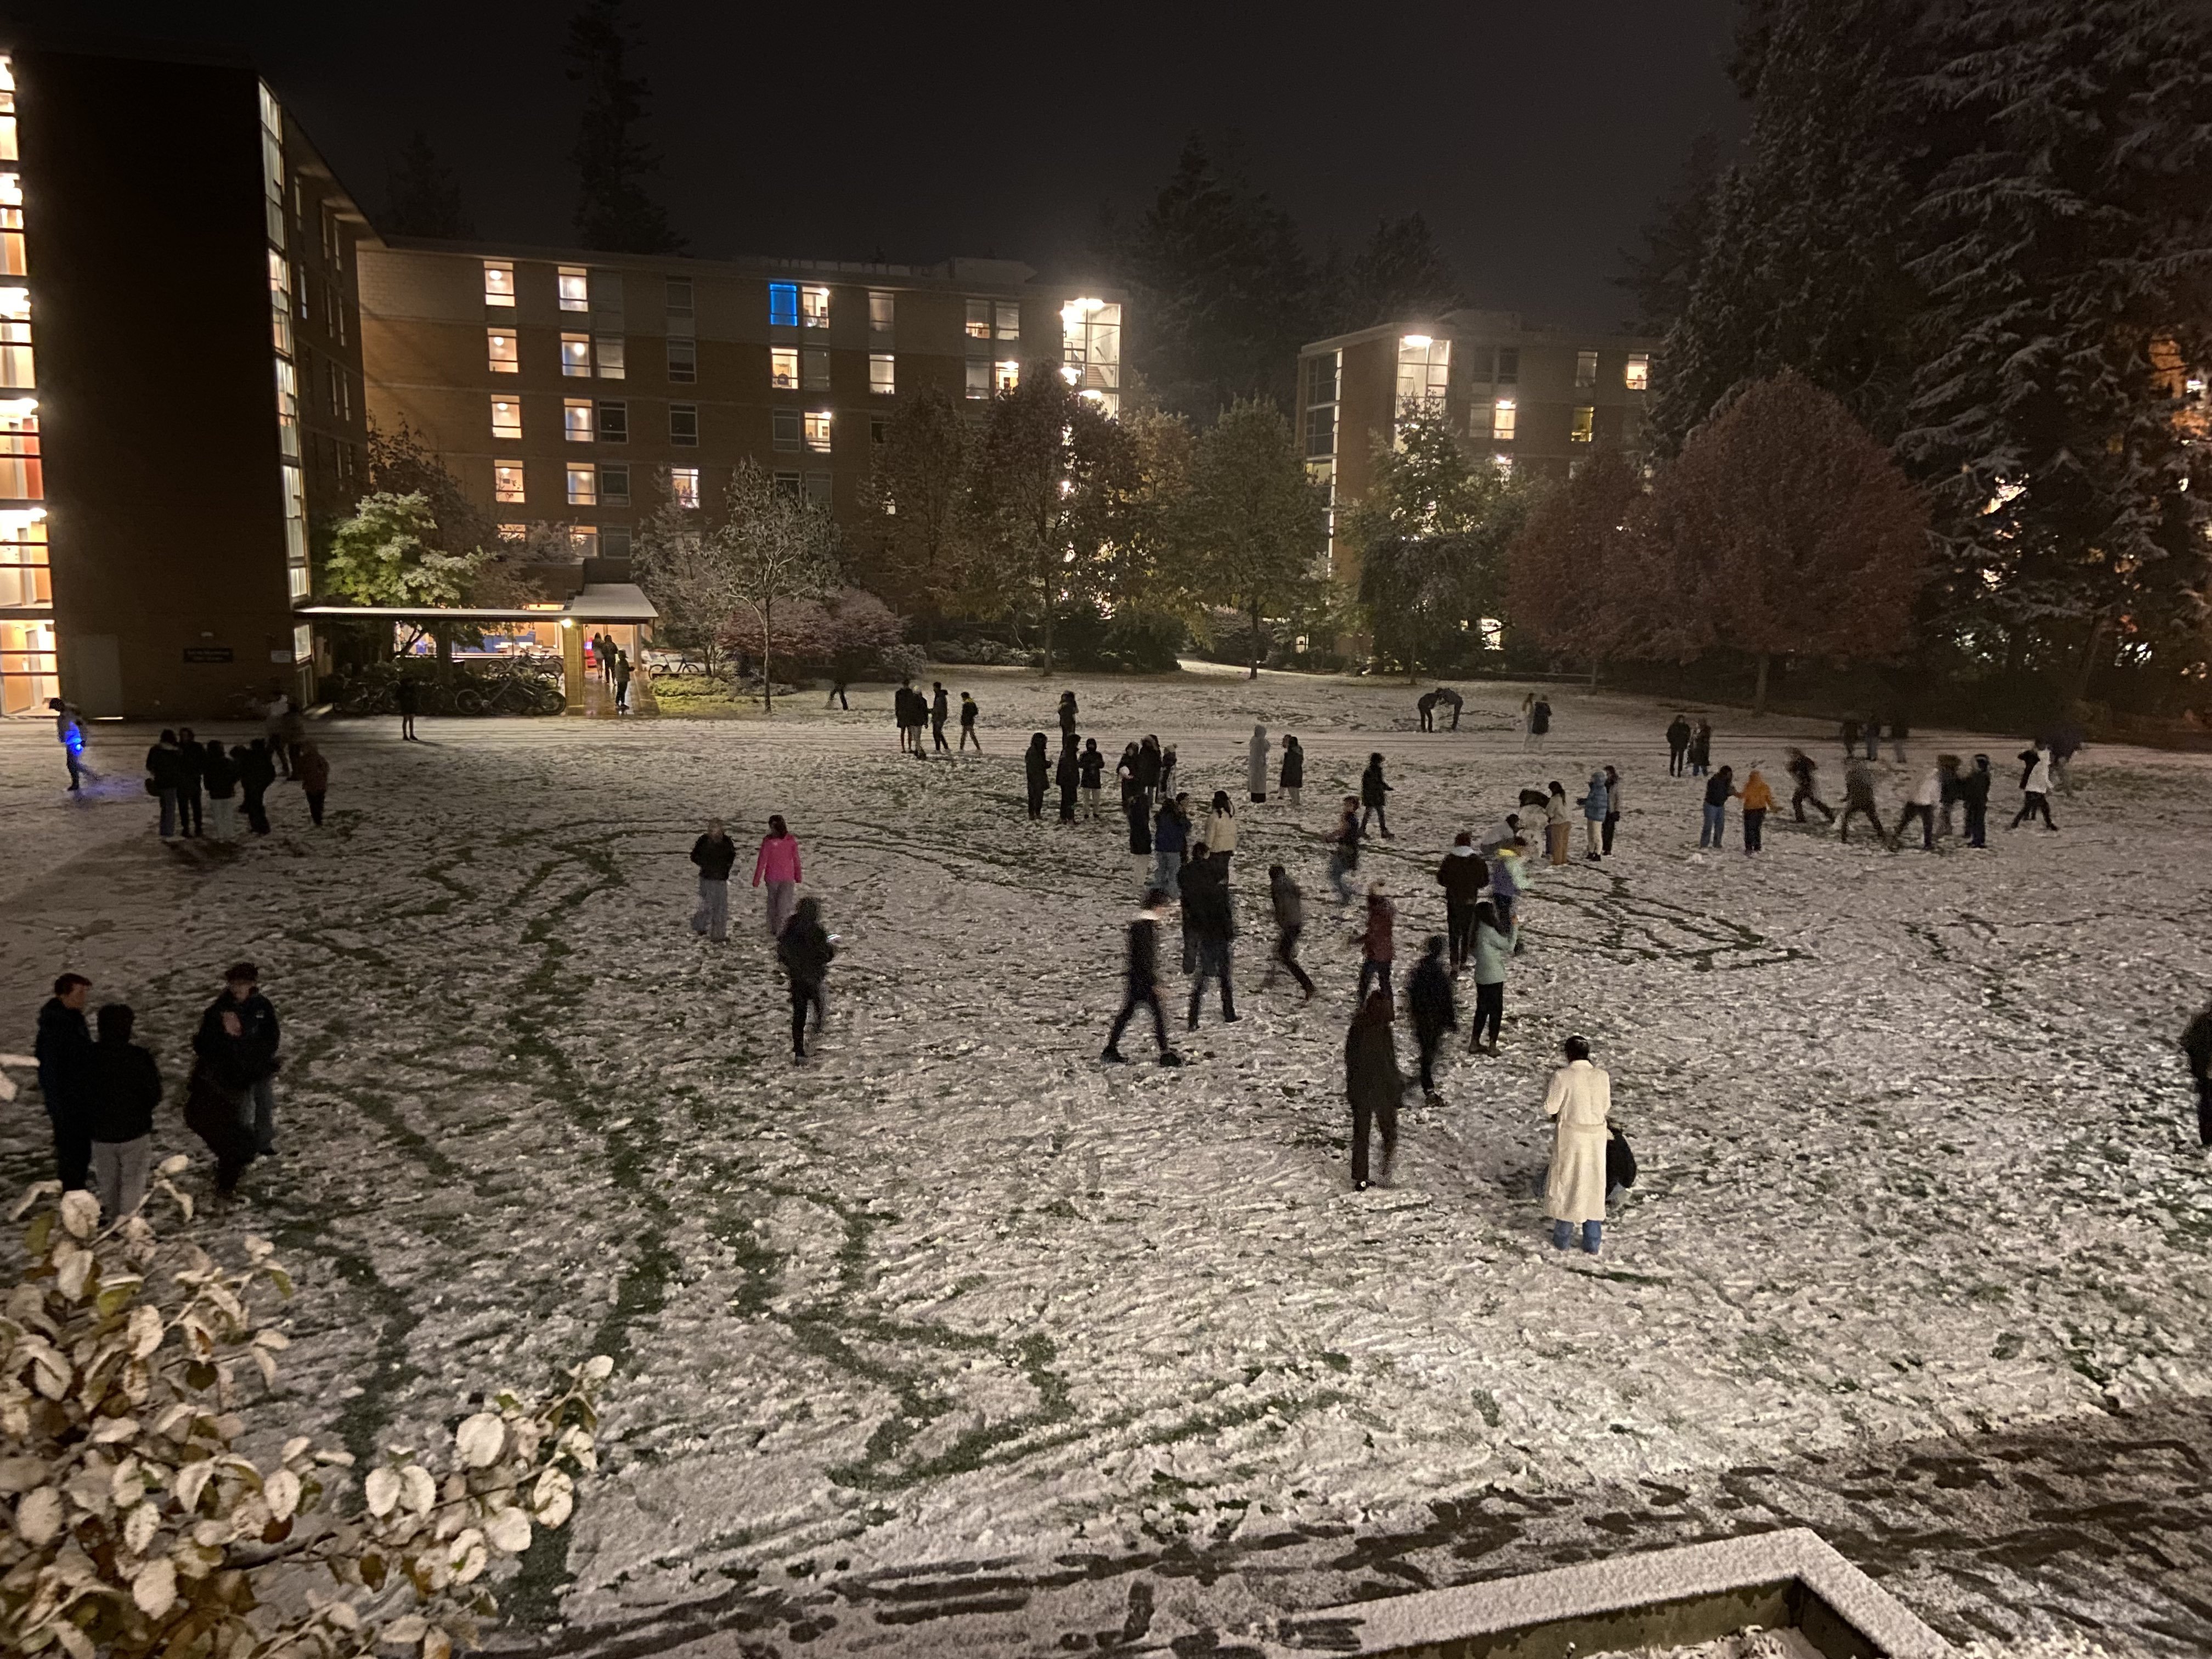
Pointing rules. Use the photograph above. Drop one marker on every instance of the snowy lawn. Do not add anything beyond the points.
(1917, 1143)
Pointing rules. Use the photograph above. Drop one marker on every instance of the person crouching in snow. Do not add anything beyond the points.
(1578, 1101)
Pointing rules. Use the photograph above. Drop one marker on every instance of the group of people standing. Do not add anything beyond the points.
(615, 669)
(913, 710)
(203, 788)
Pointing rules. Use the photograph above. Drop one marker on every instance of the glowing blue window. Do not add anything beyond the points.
(783, 305)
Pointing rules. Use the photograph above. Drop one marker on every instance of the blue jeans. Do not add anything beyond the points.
(1562, 1234)
(1716, 821)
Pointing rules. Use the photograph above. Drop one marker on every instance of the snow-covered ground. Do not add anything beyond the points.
(1917, 1150)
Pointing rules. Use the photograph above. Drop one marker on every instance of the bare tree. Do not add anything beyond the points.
(684, 571)
(775, 546)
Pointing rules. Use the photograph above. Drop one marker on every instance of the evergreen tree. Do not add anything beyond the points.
(613, 211)
(1257, 527)
(1400, 276)
(422, 195)
(920, 486)
(1149, 581)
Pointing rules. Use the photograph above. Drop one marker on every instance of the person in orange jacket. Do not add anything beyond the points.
(1758, 801)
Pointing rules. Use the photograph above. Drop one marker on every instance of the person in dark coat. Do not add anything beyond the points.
(1858, 796)
(1170, 842)
(1464, 877)
(1429, 1000)
(622, 681)
(941, 710)
(165, 779)
(715, 854)
(1148, 769)
(1373, 792)
(1344, 852)
(1373, 1085)
(1142, 981)
(1678, 745)
(1378, 941)
(805, 951)
(407, 696)
(1066, 774)
(2197, 1043)
(1091, 770)
(1292, 776)
(1067, 712)
(1974, 800)
(62, 1048)
(968, 713)
(1425, 706)
(1701, 750)
(239, 1029)
(1872, 732)
(1167, 770)
(1210, 923)
(1851, 729)
(1037, 769)
(1803, 788)
(1290, 907)
(256, 771)
(191, 818)
(312, 769)
(1136, 806)
(219, 775)
(122, 1087)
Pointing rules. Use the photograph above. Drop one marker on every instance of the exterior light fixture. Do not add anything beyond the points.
(1419, 341)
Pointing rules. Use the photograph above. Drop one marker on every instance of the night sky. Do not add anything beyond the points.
(1534, 137)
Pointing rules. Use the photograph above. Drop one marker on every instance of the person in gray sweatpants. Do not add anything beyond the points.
(715, 853)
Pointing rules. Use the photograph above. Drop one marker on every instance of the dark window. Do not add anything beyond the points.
(683, 423)
(786, 429)
(817, 488)
(614, 486)
(1320, 430)
(614, 424)
(1509, 365)
(879, 428)
(788, 483)
(614, 540)
(683, 360)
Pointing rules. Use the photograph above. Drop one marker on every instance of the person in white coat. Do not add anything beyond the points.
(1927, 795)
(1255, 765)
(1578, 1101)
(1218, 831)
(2035, 788)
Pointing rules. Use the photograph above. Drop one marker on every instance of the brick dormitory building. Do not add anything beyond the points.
(159, 481)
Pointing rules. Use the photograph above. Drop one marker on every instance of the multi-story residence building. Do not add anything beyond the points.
(586, 389)
(180, 382)
(1535, 399)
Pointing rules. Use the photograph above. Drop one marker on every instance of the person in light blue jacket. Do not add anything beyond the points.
(1595, 802)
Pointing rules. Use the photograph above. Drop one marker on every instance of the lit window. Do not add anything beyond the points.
(576, 354)
(783, 368)
(817, 366)
(607, 352)
(584, 540)
(814, 307)
(287, 405)
(882, 307)
(817, 430)
(507, 417)
(29, 673)
(17, 372)
(1006, 375)
(614, 424)
(683, 485)
(1091, 344)
(280, 301)
(783, 305)
(683, 360)
(1585, 368)
(979, 319)
(575, 286)
(24, 574)
(683, 424)
(575, 420)
(1503, 414)
(978, 377)
(680, 314)
(11, 224)
(1009, 321)
(514, 532)
(614, 486)
(1509, 365)
(1424, 371)
(784, 425)
(883, 373)
(507, 481)
(583, 486)
(499, 283)
(504, 350)
(817, 488)
(1585, 424)
(1636, 377)
(21, 478)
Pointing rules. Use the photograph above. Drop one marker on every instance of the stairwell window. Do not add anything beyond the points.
(504, 351)
(507, 418)
(499, 281)
(1636, 377)
(1585, 426)
(883, 373)
(1504, 415)
(507, 481)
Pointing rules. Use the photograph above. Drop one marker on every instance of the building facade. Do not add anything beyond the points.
(180, 384)
(584, 390)
(1536, 400)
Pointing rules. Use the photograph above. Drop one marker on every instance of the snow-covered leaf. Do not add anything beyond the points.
(481, 1438)
(381, 1489)
(154, 1588)
(80, 1213)
(39, 1517)
(508, 1531)
(553, 1497)
(281, 1492)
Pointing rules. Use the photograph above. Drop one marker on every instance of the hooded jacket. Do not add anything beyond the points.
(1463, 875)
(1293, 773)
(1290, 904)
(778, 859)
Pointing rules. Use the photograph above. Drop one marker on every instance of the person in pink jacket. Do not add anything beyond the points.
(778, 865)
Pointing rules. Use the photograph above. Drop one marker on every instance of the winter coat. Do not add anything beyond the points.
(1372, 787)
(1493, 953)
(164, 767)
(1205, 909)
(1219, 834)
(1140, 826)
(1170, 834)
(1598, 801)
(256, 770)
(1067, 770)
(1067, 714)
(1930, 791)
(64, 1042)
(1717, 792)
(1290, 904)
(715, 855)
(1091, 766)
(1378, 939)
(940, 708)
(1293, 773)
(238, 1062)
(778, 859)
(805, 950)
(219, 773)
(1678, 735)
(1371, 1077)
(1555, 809)
(1505, 875)
(1255, 762)
(1346, 840)
(1858, 784)
(2038, 780)
(1429, 997)
(1540, 717)
(312, 769)
(1579, 1098)
(2197, 1043)
(1802, 770)
(1974, 789)
(1756, 796)
(1701, 746)
(1144, 959)
(1612, 795)
(1148, 767)
(1036, 768)
(122, 1087)
(407, 696)
(1463, 875)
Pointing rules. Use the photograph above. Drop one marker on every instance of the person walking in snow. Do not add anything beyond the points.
(1429, 1000)
(1465, 878)
(1858, 796)
(1091, 768)
(805, 950)
(1507, 882)
(1036, 771)
(716, 854)
(62, 1049)
(1066, 777)
(1871, 732)
(311, 768)
(1373, 792)
(1378, 941)
(1138, 812)
(1141, 981)
(1921, 803)
(1612, 807)
(1210, 918)
(777, 864)
(239, 1033)
(1678, 745)
(1596, 802)
(1373, 1085)
(255, 773)
(1289, 905)
(941, 710)
(192, 762)
(122, 1087)
(622, 670)
(1343, 851)
(1493, 951)
(1148, 769)
(968, 738)
(1291, 777)
(1578, 1101)
(1720, 790)
(836, 699)
(2034, 788)
(69, 731)
(1539, 722)
(1171, 840)
(1758, 802)
(1803, 789)
(1701, 749)
(1255, 764)
(2196, 1044)
(1974, 797)
(1219, 832)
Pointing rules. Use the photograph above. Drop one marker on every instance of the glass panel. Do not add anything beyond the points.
(507, 481)
(882, 308)
(1585, 424)
(816, 365)
(683, 423)
(506, 418)
(614, 424)
(783, 368)
(499, 283)
(818, 430)
(1503, 414)
(814, 307)
(574, 285)
(883, 373)
(979, 379)
(979, 319)
(683, 360)
(23, 573)
(1009, 321)
(1636, 377)
(783, 305)
(683, 485)
(576, 354)
(583, 486)
(1006, 376)
(607, 350)
(504, 351)
(575, 421)
(21, 478)
(784, 425)
(1585, 368)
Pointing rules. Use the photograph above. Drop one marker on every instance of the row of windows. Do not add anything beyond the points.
(1503, 417)
(608, 484)
(583, 421)
(584, 356)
